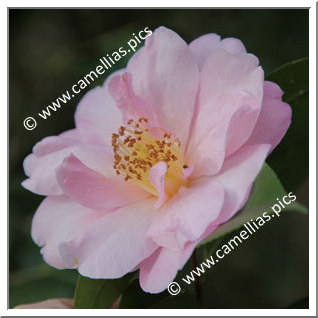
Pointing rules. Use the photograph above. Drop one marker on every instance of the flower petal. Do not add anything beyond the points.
(274, 119)
(188, 213)
(51, 151)
(97, 115)
(158, 270)
(114, 245)
(230, 99)
(233, 45)
(157, 179)
(93, 190)
(165, 74)
(237, 176)
(131, 105)
(203, 46)
(238, 181)
(59, 219)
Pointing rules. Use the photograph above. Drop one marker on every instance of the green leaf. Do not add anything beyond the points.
(99, 293)
(290, 160)
(267, 188)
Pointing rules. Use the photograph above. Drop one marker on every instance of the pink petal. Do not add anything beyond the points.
(165, 74)
(58, 219)
(230, 98)
(274, 119)
(203, 46)
(114, 245)
(187, 172)
(130, 105)
(233, 45)
(188, 213)
(237, 176)
(93, 190)
(53, 144)
(159, 270)
(54, 303)
(97, 115)
(241, 126)
(51, 151)
(157, 179)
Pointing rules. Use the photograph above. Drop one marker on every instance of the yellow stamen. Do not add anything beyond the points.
(136, 151)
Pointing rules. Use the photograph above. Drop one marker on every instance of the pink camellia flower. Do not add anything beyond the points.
(162, 154)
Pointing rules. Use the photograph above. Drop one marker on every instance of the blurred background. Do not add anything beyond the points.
(50, 50)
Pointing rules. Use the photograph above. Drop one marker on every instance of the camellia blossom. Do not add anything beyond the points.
(162, 154)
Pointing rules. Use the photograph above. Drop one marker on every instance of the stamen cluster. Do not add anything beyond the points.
(136, 150)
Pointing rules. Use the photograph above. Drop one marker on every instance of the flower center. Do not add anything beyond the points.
(136, 151)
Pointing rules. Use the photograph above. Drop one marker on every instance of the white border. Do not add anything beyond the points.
(312, 158)
(312, 164)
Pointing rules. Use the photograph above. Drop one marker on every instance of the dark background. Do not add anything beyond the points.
(50, 50)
